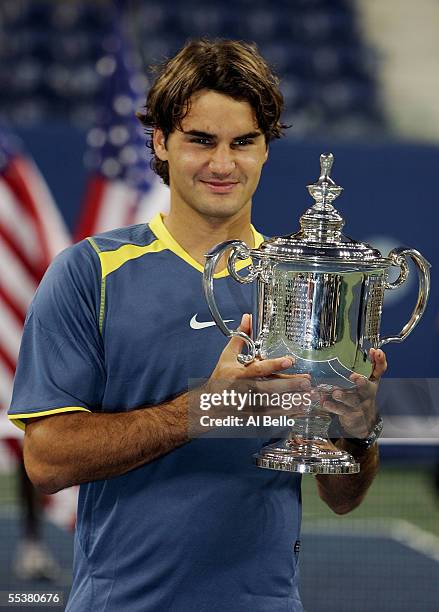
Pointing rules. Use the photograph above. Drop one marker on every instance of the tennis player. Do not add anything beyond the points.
(118, 327)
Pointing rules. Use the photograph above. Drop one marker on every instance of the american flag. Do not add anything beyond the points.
(122, 189)
(32, 232)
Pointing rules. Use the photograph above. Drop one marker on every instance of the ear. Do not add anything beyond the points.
(267, 151)
(159, 142)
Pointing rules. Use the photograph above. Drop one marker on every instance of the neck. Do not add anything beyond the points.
(198, 233)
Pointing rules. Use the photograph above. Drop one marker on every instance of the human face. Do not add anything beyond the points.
(215, 159)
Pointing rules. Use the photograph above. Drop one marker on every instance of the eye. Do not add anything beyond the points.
(243, 142)
(201, 141)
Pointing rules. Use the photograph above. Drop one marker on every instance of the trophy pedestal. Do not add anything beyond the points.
(308, 456)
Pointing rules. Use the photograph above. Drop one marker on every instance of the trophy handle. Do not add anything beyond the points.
(398, 256)
(239, 251)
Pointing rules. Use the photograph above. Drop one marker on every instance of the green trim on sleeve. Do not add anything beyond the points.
(103, 285)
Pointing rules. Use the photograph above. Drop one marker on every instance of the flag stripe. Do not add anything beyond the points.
(7, 363)
(18, 312)
(90, 208)
(31, 233)
(11, 332)
(155, 200)
(20, 190)
(48, 217)
(118, 201)
(10, 242)
(6, 382)
(18, 225)
(15, 278)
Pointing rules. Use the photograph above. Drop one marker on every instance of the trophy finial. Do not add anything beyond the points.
(325, 191)
(326, 161)
(322, 222)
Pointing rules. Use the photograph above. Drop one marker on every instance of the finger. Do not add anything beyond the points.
(246, 323)
(288, 408)
(237, 344)
(299, 376)
(348, 398)
(250, 325)
(266, 367)
(379, 361)
(359, 380)
(280, 386)
(335, 408)
(364, 390)
(290, 382)
(349, 420)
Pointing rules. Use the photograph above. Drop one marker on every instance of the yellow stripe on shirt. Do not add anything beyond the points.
(17, 419)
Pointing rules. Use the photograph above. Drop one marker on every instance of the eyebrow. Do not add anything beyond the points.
(213, 136)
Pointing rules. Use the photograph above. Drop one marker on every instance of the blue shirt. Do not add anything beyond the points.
(200, 528)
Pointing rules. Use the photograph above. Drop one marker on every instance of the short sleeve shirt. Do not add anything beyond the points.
(118, 323)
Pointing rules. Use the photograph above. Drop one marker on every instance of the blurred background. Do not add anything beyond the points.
(360, 79)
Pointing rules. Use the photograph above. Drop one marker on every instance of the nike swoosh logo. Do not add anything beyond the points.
(202, 324)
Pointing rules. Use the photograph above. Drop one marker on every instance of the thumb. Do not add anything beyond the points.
(379, 361)
(236, 344)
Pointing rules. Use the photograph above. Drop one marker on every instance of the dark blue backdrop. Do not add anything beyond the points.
(389, 196)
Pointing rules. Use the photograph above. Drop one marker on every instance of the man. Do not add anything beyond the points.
(114, 335)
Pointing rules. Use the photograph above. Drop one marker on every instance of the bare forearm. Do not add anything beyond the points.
(69, 449)
(345, 492)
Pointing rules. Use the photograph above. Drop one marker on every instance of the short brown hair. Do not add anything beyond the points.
(230, 67)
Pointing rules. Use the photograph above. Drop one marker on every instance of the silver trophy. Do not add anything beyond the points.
(319, 298)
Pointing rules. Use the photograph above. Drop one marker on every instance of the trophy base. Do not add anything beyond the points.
(306, 456)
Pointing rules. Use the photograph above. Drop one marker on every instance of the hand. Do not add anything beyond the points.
(356, 408)
(262, 375)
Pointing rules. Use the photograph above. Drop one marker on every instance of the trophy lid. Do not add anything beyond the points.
(320, 238)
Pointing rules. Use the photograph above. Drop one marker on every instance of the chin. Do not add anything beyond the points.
(223, 212)
(221, 208)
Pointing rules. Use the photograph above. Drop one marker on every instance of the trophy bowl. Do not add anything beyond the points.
(318, 298)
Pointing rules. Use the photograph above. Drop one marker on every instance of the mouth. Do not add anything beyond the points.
(220, 186)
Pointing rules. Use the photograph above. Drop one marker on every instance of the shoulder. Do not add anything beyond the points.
(73, 278)
(115, 248)
(76, 262)
(139, 235)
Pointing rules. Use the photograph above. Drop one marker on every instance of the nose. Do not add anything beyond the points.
(222, 162)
